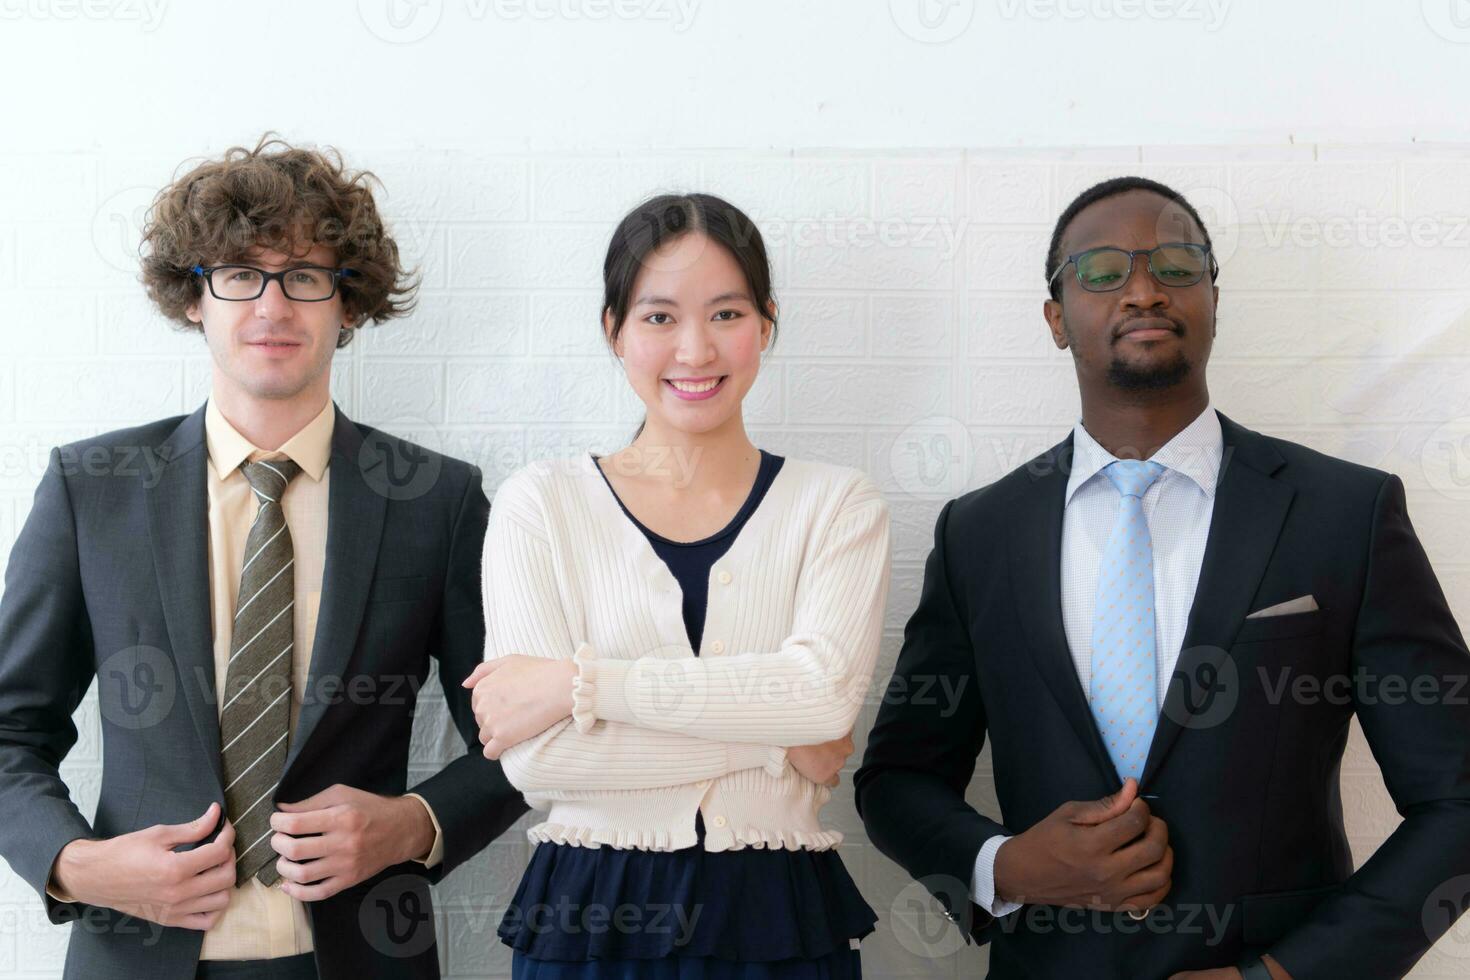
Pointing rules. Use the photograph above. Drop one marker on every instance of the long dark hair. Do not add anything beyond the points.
(660, 220)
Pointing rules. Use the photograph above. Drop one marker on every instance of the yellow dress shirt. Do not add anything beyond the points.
(262, 921)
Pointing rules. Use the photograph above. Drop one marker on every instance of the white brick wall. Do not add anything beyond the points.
(912, 344)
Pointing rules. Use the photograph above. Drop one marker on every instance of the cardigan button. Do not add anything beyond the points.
(725, 578)
(717, 646)
(719, 821)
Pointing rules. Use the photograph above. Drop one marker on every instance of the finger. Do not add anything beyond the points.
(299, 822)
(1145, 850)
(316, 892)
(1109, 807)
(221, 877)
(189, 864)
(1126, 828)
(202, 921)
(1131, 842)
(1151, 877)
(172, 835)
(200, 859)
(481, 669)
(1152, 883)
(330, 796)
(1140, 902)
(303, 848)
(215, 901)
(307, 872)
(495, 748)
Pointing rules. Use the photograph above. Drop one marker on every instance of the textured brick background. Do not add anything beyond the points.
(912, 344)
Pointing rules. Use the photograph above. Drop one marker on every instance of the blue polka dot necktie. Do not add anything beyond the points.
(1124, 673)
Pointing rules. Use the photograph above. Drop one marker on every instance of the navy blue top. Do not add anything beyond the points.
(691, 561)
(755, 904)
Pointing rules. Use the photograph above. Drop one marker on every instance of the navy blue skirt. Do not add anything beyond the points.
(843, 965)
(747, 906)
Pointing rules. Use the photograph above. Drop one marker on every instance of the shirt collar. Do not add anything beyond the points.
(310, 448)
(1195, 452)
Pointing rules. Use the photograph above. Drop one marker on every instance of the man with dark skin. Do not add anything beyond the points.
(1146, 805)
(1140, 351)
(1140, 354)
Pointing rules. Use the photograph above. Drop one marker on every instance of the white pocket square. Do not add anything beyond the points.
(1300, 604)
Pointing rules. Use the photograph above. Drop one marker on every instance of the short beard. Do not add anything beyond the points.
(1125, 377)
(1156, 377)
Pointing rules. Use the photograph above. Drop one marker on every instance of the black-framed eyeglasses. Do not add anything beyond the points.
(1104, 269)
(302, 283)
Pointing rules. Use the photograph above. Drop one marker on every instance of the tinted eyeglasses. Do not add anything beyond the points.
(1104, 269)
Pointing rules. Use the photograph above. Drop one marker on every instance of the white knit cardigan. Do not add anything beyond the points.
(790, 640)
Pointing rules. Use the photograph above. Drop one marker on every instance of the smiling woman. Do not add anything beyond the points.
(659, 266)
(675, 660)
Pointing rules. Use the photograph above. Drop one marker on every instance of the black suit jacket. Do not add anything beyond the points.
(1245, 760)
(109, 579)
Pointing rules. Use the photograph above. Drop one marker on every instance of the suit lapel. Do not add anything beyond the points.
(178, 531)
(354, 529)
(1036, 550)
(1250, 508)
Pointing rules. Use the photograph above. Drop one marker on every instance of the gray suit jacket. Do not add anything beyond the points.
(109, 580)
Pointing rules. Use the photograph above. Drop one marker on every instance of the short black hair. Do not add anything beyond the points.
(1098, 192)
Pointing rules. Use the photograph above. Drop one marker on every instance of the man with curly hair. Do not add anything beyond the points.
(259, 610)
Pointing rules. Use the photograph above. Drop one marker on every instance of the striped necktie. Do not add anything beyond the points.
(1124, 692)
(255, 716)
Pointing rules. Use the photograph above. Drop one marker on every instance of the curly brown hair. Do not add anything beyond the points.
(278, 197)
